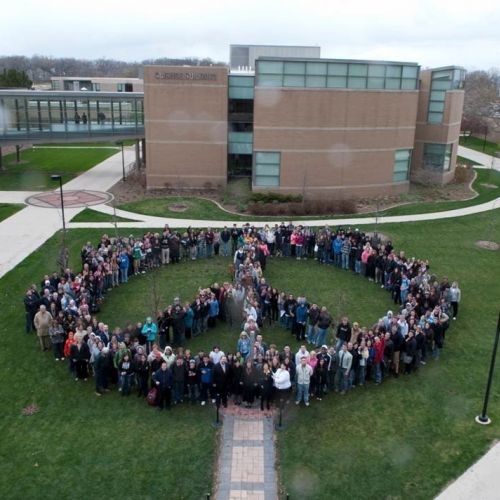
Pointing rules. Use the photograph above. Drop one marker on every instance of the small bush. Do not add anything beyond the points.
(461, 175)
(274, 197)
(307, 207)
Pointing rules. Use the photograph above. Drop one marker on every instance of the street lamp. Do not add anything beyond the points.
(483, 418)
(123, 161)
(59, 178)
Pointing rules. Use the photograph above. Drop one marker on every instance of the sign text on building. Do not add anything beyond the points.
(188, 75)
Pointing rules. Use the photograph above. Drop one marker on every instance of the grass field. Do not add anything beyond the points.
(8, 209)
(202, 209)
(404, 439)
(33, 173)
(477, 143)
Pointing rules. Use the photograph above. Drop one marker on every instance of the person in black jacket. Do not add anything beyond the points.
(221, 380)
(343, 334)
(142, 375)
(397, 343)
(250, 382)
(126, 370)
(80, 355)
(30, 307)
(101, 368)
(266, 387)
(179, 379)
(410, 349)
(236, 388)
(193, 382)
(163, 381)
(178, 324)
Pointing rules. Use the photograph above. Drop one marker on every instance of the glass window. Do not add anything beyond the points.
(273, 67)
(241, 81)
(410, 71)
(261, 157)
(338, 82)
(314, 68)
(408, 84)
(436, 106)
(402, 160)
(316, 81)
(293, 81)
(240, 92)
(267, 181)
(295, 68)
(433, 117)
(392, 83)
(393, 71)
(437, 156)
(267, 169)
(437, 95)
(376, 70)
(355, 82)
(446, 75)
(376, 83)
(270, 80)
(337, 69)
(358, 69)
(441, 85)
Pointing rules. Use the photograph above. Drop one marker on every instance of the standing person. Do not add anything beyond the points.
(221, 380)
(454, 294)
(312, 321)
(283, 384)
(80, 355)
(303, 376)
(126, 371)
(178, 322)
(343, 334)
(179, 379)
(124, 263)
(30, 306)
(188, 320)
(205, 368)
(249, 383)
(266, 387)
(344, 369)
(56, 333)
(321, 377)
(42, 322)
(379, 347)
(149, 330)
(237, 381)
(163, 381)
(225, 237)
(193, 382)
(324, 322)
(142, 374)
(102, 364)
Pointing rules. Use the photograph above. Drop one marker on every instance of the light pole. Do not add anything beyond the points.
(483, 419)
(59, 178)
(123, 162)
(63, 257)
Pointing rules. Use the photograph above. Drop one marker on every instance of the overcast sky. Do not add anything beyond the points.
(430, 32)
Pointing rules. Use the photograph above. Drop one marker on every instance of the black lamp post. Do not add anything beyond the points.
(59, 178)
(124, 178)
(483, 419)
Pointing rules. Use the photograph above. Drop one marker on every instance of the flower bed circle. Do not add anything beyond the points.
(178, 207)
(487, 245)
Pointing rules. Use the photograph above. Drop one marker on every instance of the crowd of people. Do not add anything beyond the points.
(152, 357)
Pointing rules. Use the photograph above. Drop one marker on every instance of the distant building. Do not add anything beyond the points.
(300, 124)
(97, 84)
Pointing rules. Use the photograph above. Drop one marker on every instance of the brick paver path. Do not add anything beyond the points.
(247, 460)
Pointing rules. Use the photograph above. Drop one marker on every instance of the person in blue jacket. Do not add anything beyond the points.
(149, 330)
(300, 317)
(213, 310)
(206, 368)
(124, 263)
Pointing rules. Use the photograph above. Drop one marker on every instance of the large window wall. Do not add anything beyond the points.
(441, 81)
(51, 115)
(241, 86)
(437, 157)
(267, 169)
(337, 74)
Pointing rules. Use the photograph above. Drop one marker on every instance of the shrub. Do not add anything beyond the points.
(271, 197)
(307, 207)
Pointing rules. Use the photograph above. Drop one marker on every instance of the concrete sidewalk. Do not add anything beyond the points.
(25, 231)
(479, 481)
(483, 159)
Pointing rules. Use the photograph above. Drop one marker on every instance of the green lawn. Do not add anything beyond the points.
(404, 439)
(477, 143)
(202, 209)
(8, 209)
(33, 173)
(89, 215)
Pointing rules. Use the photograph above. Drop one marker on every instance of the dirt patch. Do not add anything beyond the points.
(487, 245)
(489, 186)
(177, 207)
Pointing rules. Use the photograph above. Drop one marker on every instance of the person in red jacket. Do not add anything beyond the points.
(379, 346)
(67, 348)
